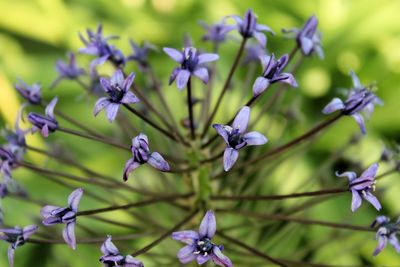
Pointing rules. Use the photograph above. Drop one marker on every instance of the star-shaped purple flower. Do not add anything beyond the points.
(118, 90)
(141, 54)
(359, 100)
(141, 154)
(98, 46)
(16, 237)
(272, 73)
(248, 27)
(31, 93)
(216, 32)
(386, 232)
(55, 215)
(236, 138)
(111, 256)
(45, 123)
(69, 70)
(191, 62)
(308, 38)
(199, 244)
(362, 187)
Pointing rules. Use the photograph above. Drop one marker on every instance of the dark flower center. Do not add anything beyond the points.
(235, 139)
(117, 93)
(141, 155)
(204, 246)
(358, 101)
(190, 61)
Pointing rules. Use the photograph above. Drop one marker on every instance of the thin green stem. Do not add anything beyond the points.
(190, 109)
(225, 87)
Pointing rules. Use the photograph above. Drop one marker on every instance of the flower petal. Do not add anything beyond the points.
(335, 104)
(111, 111)
(242, 119)
(394, 242)
(261, 38)
(355, 200)
(202, 259)
(185, 254)
(202, 74)
(174, 54)
(230, 157)
(254, 139)
(47, 210)
(356, 81)
(370, 172)
(29, 230)
(223, 130)
(50, 107)
(158, 162)
(132, 262)
(208, 225)
(105, 83)
(108, 247)
(182, 78)
(350, 175)
(287, 78)
(10, 254)
(100, 104)
(69, 234)
(129, 98)
(173, 75)
(117, 78)
(204, 58)
(220, 259)
(188, 236)
(45, 130)
(382, 241)
(260, 85)
(128, 81)
(130, 165)
(74, 198)
(306, 45)
(360, 121)
(373, 200)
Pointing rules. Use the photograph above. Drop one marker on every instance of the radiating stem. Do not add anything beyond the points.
(279, 197)
(133, 205)
(225, 87)
(190, 109)
(94, 138)
(288, 145)
(252, 250)
(153, 124)
(279, 217)
(165, 235)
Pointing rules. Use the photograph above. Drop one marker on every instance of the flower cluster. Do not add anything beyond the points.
(196, 170)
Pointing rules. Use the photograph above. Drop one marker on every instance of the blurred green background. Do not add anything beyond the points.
(362, 35)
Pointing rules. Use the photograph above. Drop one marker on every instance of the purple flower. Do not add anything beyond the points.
(31, 93)
(55, 215)
(386, 232)
(248, 27)
(360, 99)
(308, 38)
(46, 123)
(236, 138)
(253, 53)
(216, 32)
(3, 190)
(141, 54)
(112, 257)
(16, 237)
(191, 62)
(272, 73)
(362, 186)
(68, 70)
(97, 45)
(141, 154)
(8, 161)
(16, 138)
(199, 244)
(118, 90)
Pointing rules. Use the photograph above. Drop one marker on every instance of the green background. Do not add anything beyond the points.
(363, 36)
